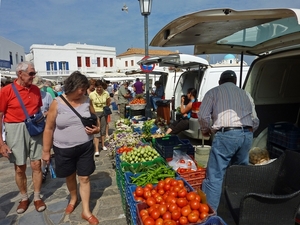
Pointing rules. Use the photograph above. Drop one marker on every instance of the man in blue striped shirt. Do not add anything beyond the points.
(234, 119)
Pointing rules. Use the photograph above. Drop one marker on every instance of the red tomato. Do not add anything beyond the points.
(183, 220)
(172, 207)
(198, 198)
(193, 217)
(139, 191)
(176, 214)
(139, 199)
(191, 196)
(161, 191)
(167, 216)
(149, 221)
(167, 187)
(180, 183)
(162, 209)
(173, 182)
(160, 184)
(194, 204)
(176, 188)
(181, 161)
(186, 210)
(150, 201)
(203, 215)
(155, 214)
(170, 199)
(168, 179)
(203, 208)
(181, 202)
(169, 222)
(144, 217)
(150, 186)
(159, 221)
(146, 194)
(143, 212)
(173, 193)
(182, 193)
(196, 211)
(158, 199)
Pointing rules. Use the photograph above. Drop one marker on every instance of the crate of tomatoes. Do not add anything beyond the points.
(170, 203)
(193, 177)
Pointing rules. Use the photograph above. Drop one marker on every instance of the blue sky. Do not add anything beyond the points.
(102, 22)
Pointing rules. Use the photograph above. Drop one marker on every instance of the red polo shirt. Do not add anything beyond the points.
(10, 106)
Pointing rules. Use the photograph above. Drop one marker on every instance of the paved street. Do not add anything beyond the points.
(105, 201)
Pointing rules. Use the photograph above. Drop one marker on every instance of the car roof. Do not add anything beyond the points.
(177, 60)
(253, 32)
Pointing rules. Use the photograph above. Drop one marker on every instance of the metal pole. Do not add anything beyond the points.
(148, 106)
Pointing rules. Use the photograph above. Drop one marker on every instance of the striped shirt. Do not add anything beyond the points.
(228, 106)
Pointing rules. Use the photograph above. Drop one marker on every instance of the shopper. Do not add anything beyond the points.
(91, 88)
(19, 144)
(72, 142)
(138, 87)
(157, 94)
(233, 122)
(123, 96)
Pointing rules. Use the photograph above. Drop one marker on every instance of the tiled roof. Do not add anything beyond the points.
(141, 51)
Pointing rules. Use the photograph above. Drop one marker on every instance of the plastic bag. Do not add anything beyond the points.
(182, 160)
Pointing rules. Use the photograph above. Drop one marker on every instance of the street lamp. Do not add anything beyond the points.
(145, 7)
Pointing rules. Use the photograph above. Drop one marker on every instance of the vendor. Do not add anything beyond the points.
(183, 124)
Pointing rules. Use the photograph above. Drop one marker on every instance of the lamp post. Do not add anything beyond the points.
(145, 7)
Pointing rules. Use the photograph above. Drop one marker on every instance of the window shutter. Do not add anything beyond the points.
(67, 65)
(55, 65)
(48, 66)
(60, 65)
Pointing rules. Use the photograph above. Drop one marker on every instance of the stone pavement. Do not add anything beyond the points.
(105, 201)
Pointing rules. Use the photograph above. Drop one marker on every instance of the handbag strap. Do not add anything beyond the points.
(71, 107)
(20, 100)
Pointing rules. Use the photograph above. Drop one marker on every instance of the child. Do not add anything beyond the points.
(259, 156)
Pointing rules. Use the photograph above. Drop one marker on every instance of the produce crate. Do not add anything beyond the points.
(286, 135)
(212, 219)
(136, 112)
(194, 178)
(166, 145)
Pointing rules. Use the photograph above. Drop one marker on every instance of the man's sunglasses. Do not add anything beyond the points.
(32, 74)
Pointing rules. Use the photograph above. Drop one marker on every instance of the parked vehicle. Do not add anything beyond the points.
(199, 75)
(273, 35)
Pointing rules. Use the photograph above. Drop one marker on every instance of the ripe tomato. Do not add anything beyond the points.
(168, 179)
(161, 191)
(198, 198)
(139, 199)
(159, 221)
(146, 194)
(150, 186)
(167, 216)
(155, 214)
(182, 193)
(143, 212)
(149, 221)
(181, 202)
(203, 215)
(176, 188)
(160, 184)
(151, 201)
(173, 182)
(139, 191)
(196, 211)
(176, 214)
(193, 217)
(147, 189)
(203, 208)
(194, 204)
(162, 209)
(183, 220)
(180, 183)
(169, 222)
(167, 187)
(181, 161)
(186, 210)
(170, 199)
(158, 199)
(190, 196)
(144, 217)
(173, 193)
(172, 207)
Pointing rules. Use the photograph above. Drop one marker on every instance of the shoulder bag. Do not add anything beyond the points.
(35, 124)
(106, 110)
(86, 121)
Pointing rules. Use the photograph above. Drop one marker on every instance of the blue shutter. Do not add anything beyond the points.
(55, 65)
(67, 65)
(48, 66)
(60, 65)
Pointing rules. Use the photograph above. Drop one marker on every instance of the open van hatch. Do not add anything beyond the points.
(252, 32)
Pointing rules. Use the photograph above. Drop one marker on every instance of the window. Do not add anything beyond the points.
(98, 62)
(126, 64)
(111, 62)
(63, 66)
(79, 61)
(51, 67)
(11, 58)
(17, 58)
(87, 62)
(105, 62)
(21, 58)
(131, 62)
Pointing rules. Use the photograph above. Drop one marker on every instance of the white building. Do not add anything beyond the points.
(10, 55)
(56, 62)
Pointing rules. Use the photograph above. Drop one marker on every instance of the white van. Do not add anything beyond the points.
(273, 36)
(199, 75)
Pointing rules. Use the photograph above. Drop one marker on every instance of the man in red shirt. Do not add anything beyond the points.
(19, 144)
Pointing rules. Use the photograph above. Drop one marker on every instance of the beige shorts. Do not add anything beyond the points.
(103, 123)
(22, 144)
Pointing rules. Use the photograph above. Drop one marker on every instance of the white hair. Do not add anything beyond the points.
(23, 66)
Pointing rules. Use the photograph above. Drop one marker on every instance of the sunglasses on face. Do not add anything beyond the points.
(30, 73)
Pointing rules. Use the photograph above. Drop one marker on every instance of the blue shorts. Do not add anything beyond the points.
(78, 159)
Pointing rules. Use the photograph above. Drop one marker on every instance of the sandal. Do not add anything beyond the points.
(70, 208)
(92, 219)
(23, 206)
(39, 205)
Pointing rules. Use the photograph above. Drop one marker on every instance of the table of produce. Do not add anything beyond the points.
(156, 190)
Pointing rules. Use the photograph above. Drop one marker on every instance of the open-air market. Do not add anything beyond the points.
(93, 135)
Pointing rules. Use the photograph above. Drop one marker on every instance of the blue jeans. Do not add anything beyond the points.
(153, 101)
(230, 147)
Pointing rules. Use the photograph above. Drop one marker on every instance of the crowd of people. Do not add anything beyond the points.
(226, 111)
